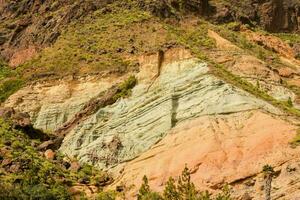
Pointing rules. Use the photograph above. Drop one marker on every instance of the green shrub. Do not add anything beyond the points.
(37, 177)
(33, 192)
(111, 195)
(8, 87)
(5, 71)
(268, 169)
(290, 102)
(296, 140)
(124, 89)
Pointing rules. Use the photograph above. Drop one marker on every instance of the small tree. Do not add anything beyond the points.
(171, 191)
(186, 188)
(145, 192)
(290, 102)
(225, 195)
(144, 189)
(268, 175)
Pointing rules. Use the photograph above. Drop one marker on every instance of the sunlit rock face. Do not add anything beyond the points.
(185, 90)
(52, 104)
(220, 149)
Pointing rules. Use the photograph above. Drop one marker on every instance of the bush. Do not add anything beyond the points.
(296, 140)
(36, 178)
(124, 89)
(5, 71)
(290, 102)
(8, 87)
(107, 196)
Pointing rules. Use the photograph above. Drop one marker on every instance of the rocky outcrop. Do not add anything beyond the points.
(182, 111)
(256, 71)
(184, 91)
(271, 43)
(279, 15)
(50, 105)
(179, 113)
(272, 15)
(187, 116)
(105, 99)
(168, 8)
(21, 121)
(18, 119)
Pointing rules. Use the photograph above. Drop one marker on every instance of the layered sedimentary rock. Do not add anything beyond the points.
(178, 114)
(52, 104)
(184, 91)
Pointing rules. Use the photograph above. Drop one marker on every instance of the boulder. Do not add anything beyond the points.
(14, 168)
(19, 119)
(49, 154)
(53, 144)
(75, 166)
(6, 162)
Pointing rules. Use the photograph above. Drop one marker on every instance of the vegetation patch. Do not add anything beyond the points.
(228, 31)
(5, 71)
(9, 82)
(100, 42)
(290, 38)
(8, 87)
(296, 140)
(124, 89)
(26, 174)
(182, 189)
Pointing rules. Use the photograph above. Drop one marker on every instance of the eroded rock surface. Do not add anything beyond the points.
(234, 146)
(51, 105)
(254, 70)
(184, 91)
(272, 15)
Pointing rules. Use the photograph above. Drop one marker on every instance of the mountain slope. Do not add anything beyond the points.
(146, 87)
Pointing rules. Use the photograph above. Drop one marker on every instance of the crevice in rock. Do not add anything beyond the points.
(174, 102)
(160, 60)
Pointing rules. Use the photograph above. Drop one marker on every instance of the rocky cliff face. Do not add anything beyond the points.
(222, 99)
(178, 114)
(183, 91)
(233, 145)
(272, 15)
(279, 15)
